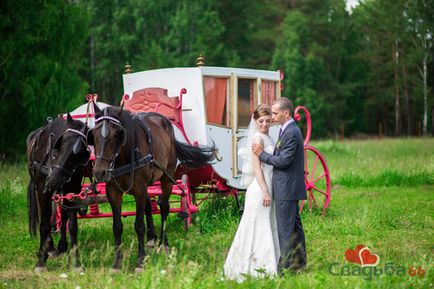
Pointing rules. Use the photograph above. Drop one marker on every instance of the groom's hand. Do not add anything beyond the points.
(257, 149)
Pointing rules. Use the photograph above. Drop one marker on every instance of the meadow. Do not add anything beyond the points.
(382, 197)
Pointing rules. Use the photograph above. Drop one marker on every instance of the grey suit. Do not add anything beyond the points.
(288, 189)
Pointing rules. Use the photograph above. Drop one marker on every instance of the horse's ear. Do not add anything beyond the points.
(122, 108)
(96, 109)
(89, 138)
(69, 118)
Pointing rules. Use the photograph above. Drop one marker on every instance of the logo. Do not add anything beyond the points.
(362, 255)
(367, 265)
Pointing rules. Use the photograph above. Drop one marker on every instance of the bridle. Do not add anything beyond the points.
(104, 120)
(82, 139)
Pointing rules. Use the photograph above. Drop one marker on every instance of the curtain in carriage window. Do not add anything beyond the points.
(216, 90)
(268, 91)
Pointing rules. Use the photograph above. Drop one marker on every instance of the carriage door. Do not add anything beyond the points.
(246, 92)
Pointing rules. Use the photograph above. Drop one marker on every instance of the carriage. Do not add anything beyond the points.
(206, 105)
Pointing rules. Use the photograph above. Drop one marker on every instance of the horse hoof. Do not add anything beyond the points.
(53, 254)
(40, 269)
(150, 244)
(115, 271)
(78, 269)
(164, 249)
(138, 270)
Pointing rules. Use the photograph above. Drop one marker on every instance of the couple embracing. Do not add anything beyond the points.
(270, 235)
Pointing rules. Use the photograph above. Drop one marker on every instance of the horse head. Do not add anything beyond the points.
(109, 138)
(69, 151)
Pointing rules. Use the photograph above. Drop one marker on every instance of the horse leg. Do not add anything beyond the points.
(150, 228)
(73, 230)
(166, 187)
(54, 209)
(62, 247)
(51, 251)
(115, 200)
(139, 225)
(44, 231)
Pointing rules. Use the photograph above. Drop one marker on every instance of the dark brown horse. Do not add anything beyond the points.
(56, 154)
(131, 153)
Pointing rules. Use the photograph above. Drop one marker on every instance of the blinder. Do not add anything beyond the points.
(77, 144)
(105, 131)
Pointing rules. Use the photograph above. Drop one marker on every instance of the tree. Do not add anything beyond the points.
(314, 56)
(39, 58)
(150, 34)
(252, 30)
(393, 48)
(421, 20)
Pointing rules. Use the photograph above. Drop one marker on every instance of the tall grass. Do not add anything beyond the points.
(380, 198)
(388, 162)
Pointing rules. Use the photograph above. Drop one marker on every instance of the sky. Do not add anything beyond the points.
(351, 4)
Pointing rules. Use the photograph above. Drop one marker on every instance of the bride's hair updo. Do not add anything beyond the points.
(261, 110)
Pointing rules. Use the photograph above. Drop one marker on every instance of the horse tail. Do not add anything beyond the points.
(32, 209)
(189, 156)
(194, 156)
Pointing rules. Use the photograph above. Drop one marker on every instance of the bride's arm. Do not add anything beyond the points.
(257, 169)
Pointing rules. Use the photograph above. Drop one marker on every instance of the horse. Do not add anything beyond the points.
(56, 154)
(131, 153)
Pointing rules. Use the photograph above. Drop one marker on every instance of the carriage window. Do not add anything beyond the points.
(246, 100)
(268, 91)
(216, 91)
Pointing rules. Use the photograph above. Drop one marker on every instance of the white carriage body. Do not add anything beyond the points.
(240, 87)
(86, 114)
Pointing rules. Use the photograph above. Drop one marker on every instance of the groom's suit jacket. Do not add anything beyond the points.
(288, 165)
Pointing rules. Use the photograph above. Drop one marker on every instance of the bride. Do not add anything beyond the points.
(255, 249)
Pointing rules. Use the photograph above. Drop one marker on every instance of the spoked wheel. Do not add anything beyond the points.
(186, 202)
(317, 180)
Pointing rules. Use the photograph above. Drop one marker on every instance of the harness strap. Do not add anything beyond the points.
(40, 167)
(142, 162)
(139, 119)
(76, 132)
(147, 131)
(169, 176)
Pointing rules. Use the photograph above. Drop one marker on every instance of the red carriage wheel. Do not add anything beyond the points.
(186, 202)
(317, 180)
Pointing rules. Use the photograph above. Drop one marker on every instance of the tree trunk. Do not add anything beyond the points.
(406, 99)
(92, 64)
(395, 55)
(425, 96)
(432, 121)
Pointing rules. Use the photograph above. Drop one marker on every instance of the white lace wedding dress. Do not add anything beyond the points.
(255, 249)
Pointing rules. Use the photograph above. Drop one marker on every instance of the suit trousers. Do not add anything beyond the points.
(291, 235)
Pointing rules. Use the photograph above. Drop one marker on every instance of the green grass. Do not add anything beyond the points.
(382, 196)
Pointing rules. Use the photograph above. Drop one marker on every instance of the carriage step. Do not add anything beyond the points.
(182, 215)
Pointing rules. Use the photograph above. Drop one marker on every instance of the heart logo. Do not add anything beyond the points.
(367, 258)
(353, 255)
(362, 255)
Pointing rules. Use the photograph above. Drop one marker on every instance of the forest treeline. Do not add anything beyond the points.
(368, 71)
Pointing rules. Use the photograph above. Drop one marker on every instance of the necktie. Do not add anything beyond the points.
(280, 132)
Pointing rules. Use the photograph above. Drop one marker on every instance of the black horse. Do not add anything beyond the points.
(132, 152)
(56, 154)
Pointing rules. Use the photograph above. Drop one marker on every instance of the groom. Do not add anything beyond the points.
(288, 185)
